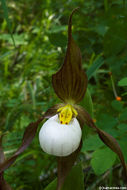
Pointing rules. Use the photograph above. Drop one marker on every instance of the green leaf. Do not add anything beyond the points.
(123, 145)
(88, 105)
(123, 82)
(99, 61)
(52, 185)
(75, 179)
(117, 105)
(123, 115)
(115, 39)
(122, 127)
(102, 160)
(87, 102)
(92, 142)
(106, 121)
(70, 82)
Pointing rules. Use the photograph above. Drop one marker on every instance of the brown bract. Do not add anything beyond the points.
(70, 82)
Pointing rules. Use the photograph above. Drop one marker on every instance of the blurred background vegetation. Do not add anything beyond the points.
(39, 31)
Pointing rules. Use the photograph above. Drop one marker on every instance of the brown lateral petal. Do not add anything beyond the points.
(28, 136)
(64, 166)
(105, 137)
(70, 82)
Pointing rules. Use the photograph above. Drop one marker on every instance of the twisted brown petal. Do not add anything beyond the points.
(110, 141)
(27, 139)
(28, 136)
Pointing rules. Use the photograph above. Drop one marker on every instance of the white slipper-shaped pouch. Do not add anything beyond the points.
(60, 139)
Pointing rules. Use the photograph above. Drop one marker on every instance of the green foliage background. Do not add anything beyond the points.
(39, 30)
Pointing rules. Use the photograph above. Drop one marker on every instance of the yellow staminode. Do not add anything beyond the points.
(66, 113)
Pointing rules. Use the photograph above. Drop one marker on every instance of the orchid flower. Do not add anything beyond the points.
(61, 134)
